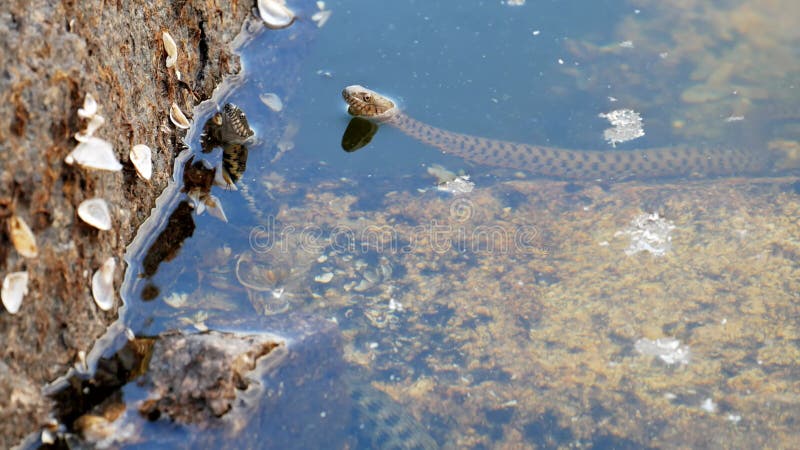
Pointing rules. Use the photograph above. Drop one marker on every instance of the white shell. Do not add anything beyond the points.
(95, 212)
(103, 285)
(141, 157)
(321, 17)
(22, 237)
(94, 123)
(272, 101)
(171, 48)
(89, 107)
(15, 286)
(47, 435)
(178, 118)
(275, 14)
(94, 153)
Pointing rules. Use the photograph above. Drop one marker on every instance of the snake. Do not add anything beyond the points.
(553, 162)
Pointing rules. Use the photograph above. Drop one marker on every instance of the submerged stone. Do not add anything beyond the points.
(668, 350)
(649, 233)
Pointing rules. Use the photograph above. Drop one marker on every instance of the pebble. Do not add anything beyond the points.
(324, 278)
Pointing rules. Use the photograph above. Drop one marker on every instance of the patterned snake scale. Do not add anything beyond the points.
(553, 162)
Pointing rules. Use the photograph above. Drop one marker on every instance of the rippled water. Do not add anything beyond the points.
(509, 316)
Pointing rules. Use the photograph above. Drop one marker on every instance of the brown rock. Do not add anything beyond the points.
(53, 54)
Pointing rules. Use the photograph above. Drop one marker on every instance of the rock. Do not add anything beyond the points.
(54, 54)
(266, 383)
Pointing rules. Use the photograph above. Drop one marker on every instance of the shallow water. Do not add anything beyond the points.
(510, 316)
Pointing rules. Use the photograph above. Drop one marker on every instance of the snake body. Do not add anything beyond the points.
(554, 162)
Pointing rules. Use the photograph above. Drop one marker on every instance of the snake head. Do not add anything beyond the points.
(368, 104)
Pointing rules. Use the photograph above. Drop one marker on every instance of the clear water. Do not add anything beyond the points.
(462, 66)
(491, 346)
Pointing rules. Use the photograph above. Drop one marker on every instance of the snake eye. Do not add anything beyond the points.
(367, 97)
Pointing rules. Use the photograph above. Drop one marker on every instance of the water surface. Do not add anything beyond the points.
(511, 316)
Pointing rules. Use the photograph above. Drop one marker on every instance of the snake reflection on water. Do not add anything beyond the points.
(554, 162)
(230, 130)
(379, 422)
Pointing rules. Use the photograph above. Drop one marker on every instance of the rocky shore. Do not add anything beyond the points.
(54, 53)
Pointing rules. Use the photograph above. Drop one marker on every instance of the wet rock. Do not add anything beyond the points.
(23, 403)
(54, 54)
(243, 389)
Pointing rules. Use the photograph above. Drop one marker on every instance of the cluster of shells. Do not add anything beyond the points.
(284, 276)
(176, 115)
(91, 153)
(365, 284)
(275, 279)
(356, 274)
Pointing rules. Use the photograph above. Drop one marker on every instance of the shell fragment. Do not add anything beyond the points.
(321, 17)
(95, 212)
(142, 159)
(15, 286)
(178, 118)
(95, 122)
(89, 107)
(103, 285)
(171, 47)
(275, 14)
(22, 237)
(272, 101)
(94, 153)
